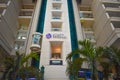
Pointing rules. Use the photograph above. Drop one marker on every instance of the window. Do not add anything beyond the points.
(56, 26)
(56, 15)
(56, 0)
(19, 46)
(56, 53)
(56, 6)
(56, 50)
(22, 35)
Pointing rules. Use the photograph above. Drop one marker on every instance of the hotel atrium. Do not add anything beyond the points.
(52, 29)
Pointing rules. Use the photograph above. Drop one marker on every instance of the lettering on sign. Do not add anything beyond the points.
(57, 36)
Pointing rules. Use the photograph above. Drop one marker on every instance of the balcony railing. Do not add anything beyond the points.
(3, 6)
(28, 6)
(22, 36)
(56, 29)
(56, 8)
(88, 29)
(111, 5)
(90, 36)
(57, 18)
(25, 13)
(3, 1)
(112, 9)
(116, 24)
(111, 1)
(23, 28)
(86, 15)
(1, 11)
(115, 18)
(113, 14)
(19, 47)
(57, 0)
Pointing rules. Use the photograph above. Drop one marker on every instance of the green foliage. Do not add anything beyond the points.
(28, 72)
(14, 64)
(113, 56)
(107, 57)
(91, 55)
(74, 66)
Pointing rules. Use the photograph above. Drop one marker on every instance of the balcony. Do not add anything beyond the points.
(56, 16)
(3, 6)
(86, 14)
(90, 36)
(36, 42)
(117, 43)
(111, 1)
(56, 19)
(22, 36)
(26, 14)
(87, 23)
(28, 6)
(88, 33)
(56, 26)
(56, 7)
(26, 11)
(23, 28)
(56, 29)
(113, 16)
(112, 7)
(86, 18)
(19, 47)
(116, 24)
(56, 1)
(116, 38)
(1, 10)
(111, 33)
(88, 29)
(3, 1)
(24, 21)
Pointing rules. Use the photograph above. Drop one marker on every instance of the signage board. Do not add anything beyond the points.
(55, 36)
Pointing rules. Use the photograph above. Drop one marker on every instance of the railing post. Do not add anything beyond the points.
(42, 72)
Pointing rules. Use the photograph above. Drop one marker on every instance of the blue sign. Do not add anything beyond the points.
(48, 36)
(81, 74)
(36, 38)
(84, 73)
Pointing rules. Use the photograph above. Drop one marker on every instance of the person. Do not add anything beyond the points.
(100, 75)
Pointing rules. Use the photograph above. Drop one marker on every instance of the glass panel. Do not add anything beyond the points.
(36, 39)
(86, 15)
(22, 35)
(56, 0)
(56, 29)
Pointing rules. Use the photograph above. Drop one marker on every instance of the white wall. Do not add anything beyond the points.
(77, 21)
(33, 25)
(55, 72)
(103, 27)
(8, 26)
